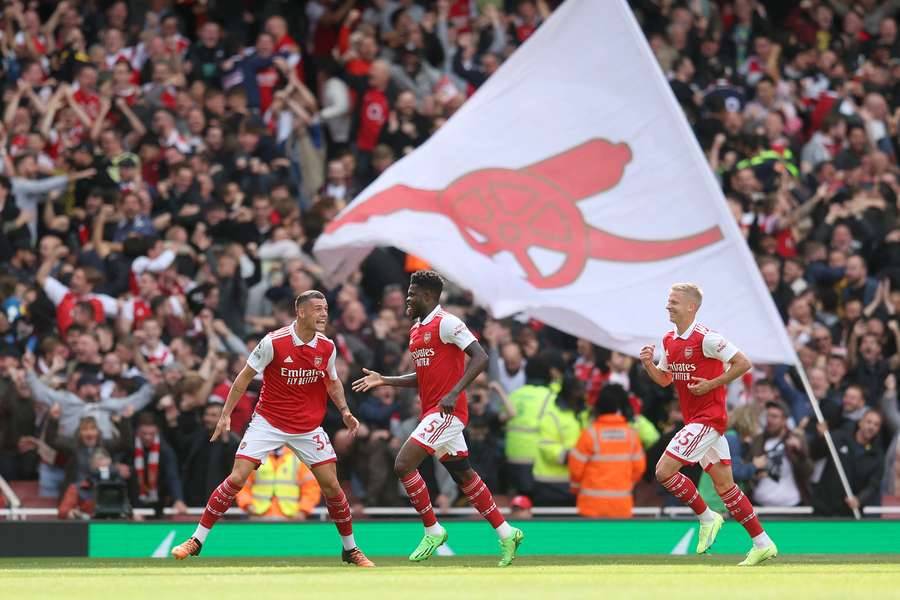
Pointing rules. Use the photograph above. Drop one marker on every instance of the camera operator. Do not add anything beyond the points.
(83, 457)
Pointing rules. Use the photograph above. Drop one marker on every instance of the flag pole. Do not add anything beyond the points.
(831, 449)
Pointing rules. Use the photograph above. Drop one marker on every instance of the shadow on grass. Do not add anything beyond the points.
(308, 564)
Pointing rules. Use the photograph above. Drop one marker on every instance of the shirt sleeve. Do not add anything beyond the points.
(332, 369)
(716, 346)
(663, 361)
(109, 304)
(454, 331)
(128, 310)
(55, 290)
(262, 355)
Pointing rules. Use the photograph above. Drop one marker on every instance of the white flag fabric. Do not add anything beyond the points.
(570, 188)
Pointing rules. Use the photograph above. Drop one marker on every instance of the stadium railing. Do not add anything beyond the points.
(16, 512)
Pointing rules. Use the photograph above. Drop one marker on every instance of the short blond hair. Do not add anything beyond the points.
(745, 420)
(692, 290)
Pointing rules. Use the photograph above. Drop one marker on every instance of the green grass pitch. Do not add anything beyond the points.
(458, 578)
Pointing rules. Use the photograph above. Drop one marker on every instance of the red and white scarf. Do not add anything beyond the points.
(149, 488)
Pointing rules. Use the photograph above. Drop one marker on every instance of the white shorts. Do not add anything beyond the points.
(697, 443)
(312, 448)
(441, 435)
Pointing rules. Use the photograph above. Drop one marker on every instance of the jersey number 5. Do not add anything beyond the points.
(432, 426)
(685, 438)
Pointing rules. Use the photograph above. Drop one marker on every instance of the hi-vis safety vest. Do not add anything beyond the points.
(558, 430)
(530, 402)
(276, 487)
(604, 466)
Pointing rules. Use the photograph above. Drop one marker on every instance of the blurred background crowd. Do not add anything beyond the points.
(166, 167)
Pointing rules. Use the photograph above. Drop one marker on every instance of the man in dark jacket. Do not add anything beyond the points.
(863, 460)
(155, 481)
(206, 464)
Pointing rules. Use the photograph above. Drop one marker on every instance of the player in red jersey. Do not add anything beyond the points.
(439, 343)
(297, 365)
(693, 357)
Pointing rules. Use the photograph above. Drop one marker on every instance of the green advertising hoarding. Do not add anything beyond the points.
(398, 538)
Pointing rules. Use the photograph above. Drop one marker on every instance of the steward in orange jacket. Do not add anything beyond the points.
(283, 487)
(607, 460)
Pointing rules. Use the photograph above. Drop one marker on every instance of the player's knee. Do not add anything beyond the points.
(663, 472)
(330, 489)
(722, 483)
(402, 468)
(238, 477)
(460, 470)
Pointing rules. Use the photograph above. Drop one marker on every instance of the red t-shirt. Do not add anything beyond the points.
(65, 301)
(437, 345)
(374, 113)
(293, 397)
(243, 410)
(89, 102)
(699, 352)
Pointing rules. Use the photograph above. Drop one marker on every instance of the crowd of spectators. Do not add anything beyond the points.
(165, 168)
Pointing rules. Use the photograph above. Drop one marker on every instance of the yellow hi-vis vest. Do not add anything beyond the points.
(276, 479)
(558, 432)
(529, 402)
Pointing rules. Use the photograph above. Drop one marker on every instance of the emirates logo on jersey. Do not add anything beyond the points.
(318, 362)
(689, 352)
(427, 337)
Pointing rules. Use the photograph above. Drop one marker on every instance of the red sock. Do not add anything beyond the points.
(740, 508)
(339, 511)
(684, 490)
(418, 497)
(480, 497)
(219, 502)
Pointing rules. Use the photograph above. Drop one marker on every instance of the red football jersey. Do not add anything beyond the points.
(698, 352)
(293, 397)
(437, 345)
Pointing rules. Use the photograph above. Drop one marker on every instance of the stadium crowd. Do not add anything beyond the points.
(167, 166)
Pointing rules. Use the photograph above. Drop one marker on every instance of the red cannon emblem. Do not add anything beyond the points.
(513, 210)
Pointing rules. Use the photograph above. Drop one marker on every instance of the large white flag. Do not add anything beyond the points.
(571, 188)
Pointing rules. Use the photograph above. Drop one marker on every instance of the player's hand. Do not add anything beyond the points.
(351, 423)
(372, 380)
(647, 354)
(700, 386)
(448, 404)
(223, 426)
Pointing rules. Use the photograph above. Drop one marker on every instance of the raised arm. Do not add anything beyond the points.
(659, 376)
(374, 379)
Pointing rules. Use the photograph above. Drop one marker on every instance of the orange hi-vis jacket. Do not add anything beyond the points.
(607, 461)
(282, 487)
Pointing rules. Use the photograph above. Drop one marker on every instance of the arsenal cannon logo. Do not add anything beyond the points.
(514, 210)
